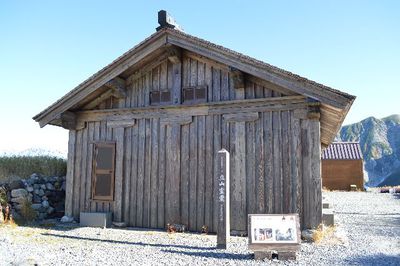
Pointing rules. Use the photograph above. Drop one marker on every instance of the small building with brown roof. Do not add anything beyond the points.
(342, 166)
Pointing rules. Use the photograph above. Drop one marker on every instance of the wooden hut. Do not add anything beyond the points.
(144, 133)
(342, 166)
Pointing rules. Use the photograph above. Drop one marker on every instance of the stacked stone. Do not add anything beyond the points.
(47, 195)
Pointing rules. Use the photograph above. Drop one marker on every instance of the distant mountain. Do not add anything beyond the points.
(35, 152)
(380, 144)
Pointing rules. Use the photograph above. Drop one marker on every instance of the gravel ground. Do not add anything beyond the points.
(368, 233)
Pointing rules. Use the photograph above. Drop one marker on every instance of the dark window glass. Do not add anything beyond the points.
(165, 96)
(104, 157)
(103, 185)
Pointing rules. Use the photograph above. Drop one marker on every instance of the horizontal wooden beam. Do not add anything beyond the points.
(121, 123)
(227, 107)
(241, 117)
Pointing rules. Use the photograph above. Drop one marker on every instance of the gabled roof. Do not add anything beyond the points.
(342, 151)
(334, 103)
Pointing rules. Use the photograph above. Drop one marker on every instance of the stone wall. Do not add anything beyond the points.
(45, 194)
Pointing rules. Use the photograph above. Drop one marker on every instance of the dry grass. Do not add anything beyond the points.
(325, 235)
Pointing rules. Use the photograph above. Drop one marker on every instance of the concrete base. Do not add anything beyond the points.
(95, 219)
(353, 188)
(326, 205)
(328, 217)
(272, 254)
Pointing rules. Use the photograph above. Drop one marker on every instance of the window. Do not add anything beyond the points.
(103, 171)
(195, 94)
(160, 97)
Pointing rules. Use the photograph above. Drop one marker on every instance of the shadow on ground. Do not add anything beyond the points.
(128, 242)
(215, 255)
(375, 260)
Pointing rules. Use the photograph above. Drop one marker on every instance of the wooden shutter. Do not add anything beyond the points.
(195, 94)
(155, 97)
(160, 97)
(103, 171)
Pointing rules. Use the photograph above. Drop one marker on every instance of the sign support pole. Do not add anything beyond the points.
(223, 229)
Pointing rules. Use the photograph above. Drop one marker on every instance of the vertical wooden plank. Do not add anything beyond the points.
(267, 92)
(161, 178)
(209, 82)
(315, 189)
(250, 160)
(147, 176)
(259, 166)
(216, 169)
(258, 91)
(306, 175)
(286, 182)
(277, 162)
(155, 76)
(88, 203)
(170, 74)
(107, 205)
(84, 164)
(126, 188)
(78, 173)
(216, 84)
(232, 89)
(163, 75)
(154, 172)
(249, 90)
(186, 71)
(172, 194)
(193, 72)
(238, 179)
(140, 90)
(134, 175)
(119, 170)
(201, 172)
(269, 165)
(141, 170)
(176, 83)
(295, 172)
(147, 87)
(193, 175)
(200, 73)
(96, 137)
(224, 85)
(70, 174)
(209, 177)
(185, 165)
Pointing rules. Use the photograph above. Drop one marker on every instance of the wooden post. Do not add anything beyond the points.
(223, 230)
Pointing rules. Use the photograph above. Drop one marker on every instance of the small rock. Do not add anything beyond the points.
(36, 199)
(36, 186)
(42, 215)
(67, 219)
(18, 200)
(43, 186)
(307, 235)
(63, 186)
(16, 193)
(16, 184)
(41, 192)
(119, 224)
(34, 176)
(29, 188)
(49, 186)
(45, 198)
(50, 210)
(36, 206)
(45, 204)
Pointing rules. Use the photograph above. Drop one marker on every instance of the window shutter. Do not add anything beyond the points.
(165, 97)
(103, 171)
(154, 97)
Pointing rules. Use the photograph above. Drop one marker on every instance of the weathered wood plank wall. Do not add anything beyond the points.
(166, 170)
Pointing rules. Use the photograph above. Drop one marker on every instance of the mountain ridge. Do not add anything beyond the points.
(380, 145)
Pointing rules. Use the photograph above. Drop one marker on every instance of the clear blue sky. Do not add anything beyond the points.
(49, 47)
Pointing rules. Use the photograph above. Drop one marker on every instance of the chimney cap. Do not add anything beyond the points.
(167, 21)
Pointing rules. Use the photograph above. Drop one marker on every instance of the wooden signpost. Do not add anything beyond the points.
(274, 235)
(223, 229)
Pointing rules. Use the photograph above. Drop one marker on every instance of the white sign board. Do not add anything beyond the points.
(273, 229)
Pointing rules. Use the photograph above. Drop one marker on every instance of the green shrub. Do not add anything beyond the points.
(27, 212)
(24, 166)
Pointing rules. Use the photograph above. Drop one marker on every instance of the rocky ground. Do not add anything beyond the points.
(368, 229)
